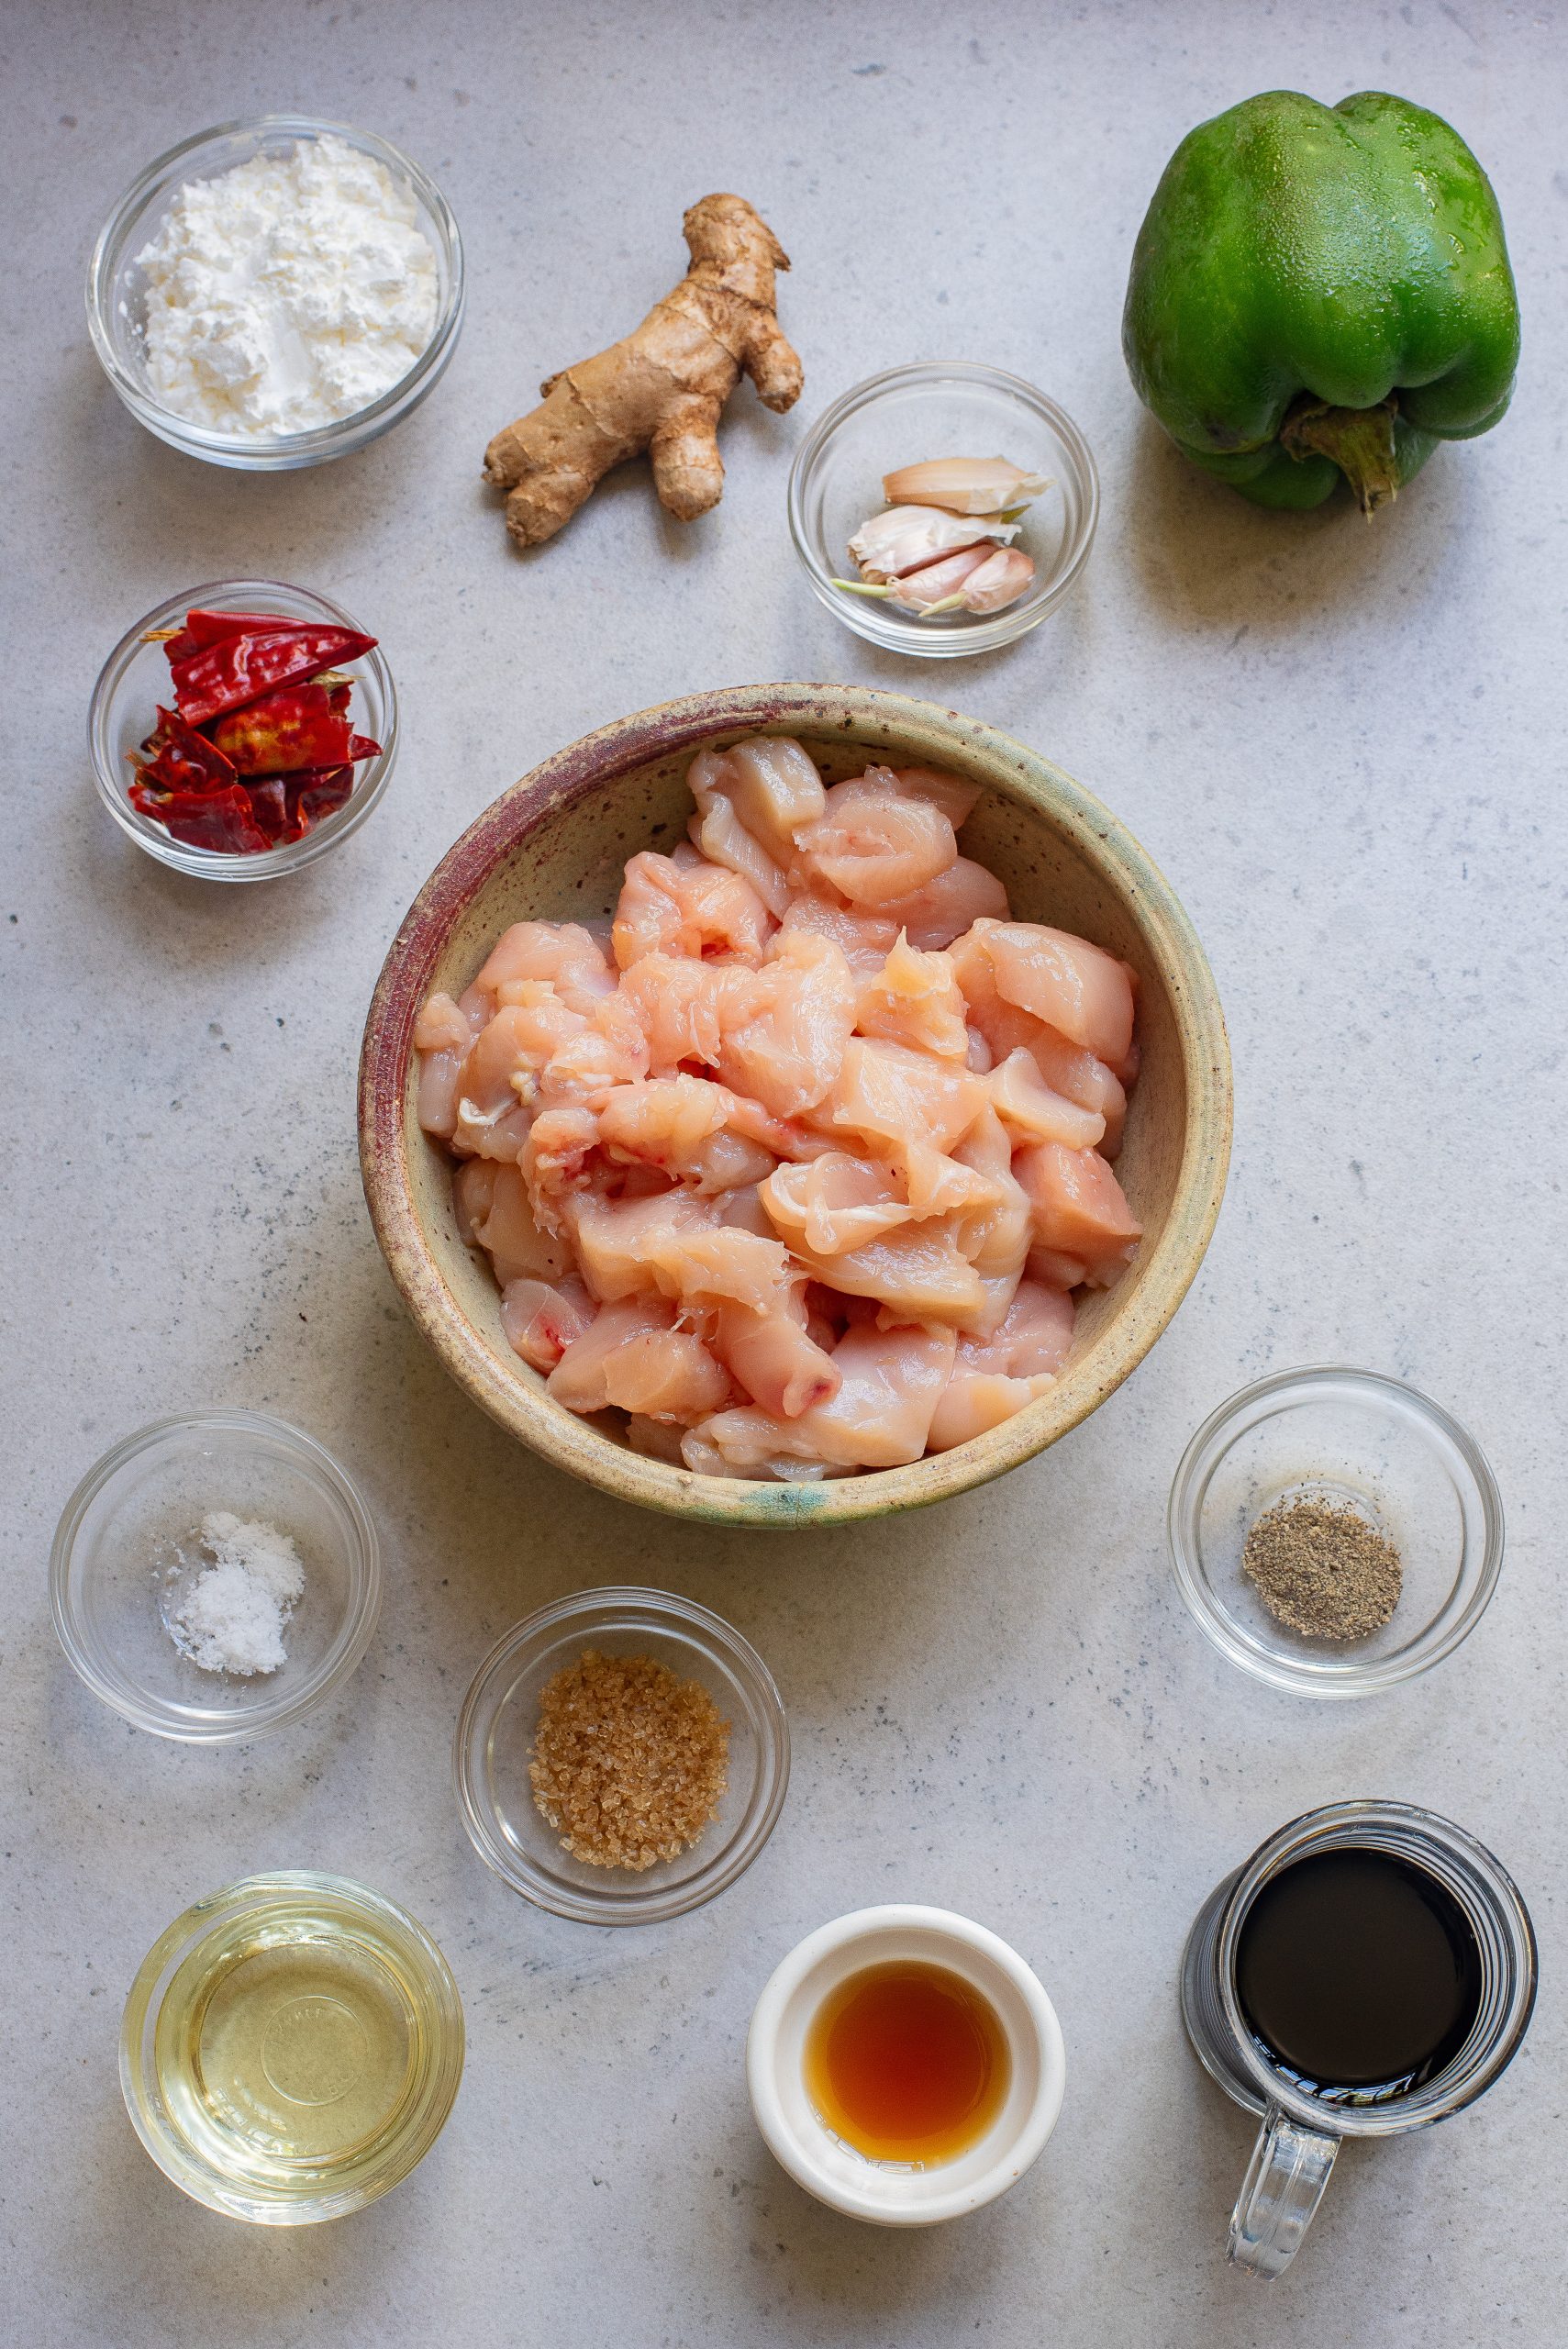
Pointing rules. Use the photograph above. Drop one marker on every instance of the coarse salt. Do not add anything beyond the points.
(287, 292)
(231, 1618)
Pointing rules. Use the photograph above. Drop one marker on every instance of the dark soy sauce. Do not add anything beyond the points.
(1358, 1974)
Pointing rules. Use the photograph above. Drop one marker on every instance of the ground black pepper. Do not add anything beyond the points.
(1321, 1567)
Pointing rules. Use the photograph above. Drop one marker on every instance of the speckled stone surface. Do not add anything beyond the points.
(1344, 746)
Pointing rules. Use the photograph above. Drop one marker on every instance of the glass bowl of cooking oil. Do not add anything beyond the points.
(291, 2048)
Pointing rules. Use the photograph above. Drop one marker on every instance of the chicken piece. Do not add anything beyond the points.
(864, 938)
(694, 909)
(933, 917)
(556, 1164)
(688, 1128)
(666, 1375)
(995, 1377)
(1078, 989)
(656, 1439)
(773, 1355)
(994, 1238)
(956, 799)
(974, 1401)
(834, 1203)
(562, 952)
(496, 1213)
(684, 1007)
(541, 1319)
(578, 1379)
(611, 1049)
(742, 1210)
(787, 1049)
(722, 1265)
(492, 1121)
(915, 1000)
(619, 1240)
(1053, 1270)
(890, 1094)
(936, 1185)
(873, 843)
(918, 1273)
(1066, 1068)
(443, 1035)
(1031, 1111)
(751, 800)
(890, 1384)
(1077, 1209)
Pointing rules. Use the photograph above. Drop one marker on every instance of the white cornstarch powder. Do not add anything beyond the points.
(232, 1616)
(287, 292)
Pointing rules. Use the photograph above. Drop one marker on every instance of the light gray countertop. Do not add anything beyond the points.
(1343, 745)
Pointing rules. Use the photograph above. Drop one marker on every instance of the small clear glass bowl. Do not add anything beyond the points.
(134, 680)
(117, 293)
(496, 1733)
(913, 414)
(1355, 1439)
(126, 1549)
(237, 2157)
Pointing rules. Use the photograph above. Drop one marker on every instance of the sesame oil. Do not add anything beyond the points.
(907, 2062)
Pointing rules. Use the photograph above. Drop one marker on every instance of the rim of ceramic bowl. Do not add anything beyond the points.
(187, 1725)
(653, 1611)
(279, 451)
(1302, 1673)
(897, 633)
(218, 864)
(928, 734)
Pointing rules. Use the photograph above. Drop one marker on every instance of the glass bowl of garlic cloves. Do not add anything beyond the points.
(943, 510)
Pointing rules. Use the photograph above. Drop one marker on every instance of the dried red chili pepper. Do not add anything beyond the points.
(203, 628)
(224, 820)
(183, 760)
(236, 669)
(298, 726)
(320, 794)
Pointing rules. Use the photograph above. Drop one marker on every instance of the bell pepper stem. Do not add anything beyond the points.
(1359, 441)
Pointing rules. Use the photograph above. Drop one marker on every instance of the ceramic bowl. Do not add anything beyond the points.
(555, 846)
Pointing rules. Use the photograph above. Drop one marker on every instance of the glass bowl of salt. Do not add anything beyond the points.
(215, 1577)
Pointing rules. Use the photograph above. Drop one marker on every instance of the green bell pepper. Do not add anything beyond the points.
(1321, 293)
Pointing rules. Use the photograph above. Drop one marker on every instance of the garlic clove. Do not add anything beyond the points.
(1000, 580)
(964, 485)
(938, 583)
(905, 536)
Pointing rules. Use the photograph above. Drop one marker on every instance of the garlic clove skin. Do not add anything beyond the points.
(964, 485)
(1000, 580)
(906, 537)
(938, 583)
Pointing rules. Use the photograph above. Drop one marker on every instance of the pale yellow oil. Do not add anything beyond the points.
(288, 2054)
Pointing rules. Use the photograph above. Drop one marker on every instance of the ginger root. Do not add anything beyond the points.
(663, 389)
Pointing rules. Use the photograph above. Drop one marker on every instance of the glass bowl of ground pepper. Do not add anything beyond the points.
(621, 1756)
(1335, 1531)
(242, 730)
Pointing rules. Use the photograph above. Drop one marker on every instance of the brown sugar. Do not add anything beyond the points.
(1321, 1568)
(629, 1763)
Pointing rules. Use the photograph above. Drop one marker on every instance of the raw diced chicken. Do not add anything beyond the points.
(874, 843)
(578, 1379)
(788, 1047)
(798, 1184)
(864, 938)
(562, 952)
(914, 999)
(1077, 1208)
(890, 1381)
(933, 917)
(541, 1319)
(695, 909)
(1082, 992)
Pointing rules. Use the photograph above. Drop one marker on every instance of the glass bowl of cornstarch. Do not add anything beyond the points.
(274, 292)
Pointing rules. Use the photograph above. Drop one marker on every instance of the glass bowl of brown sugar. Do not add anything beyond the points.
(1335, 1531)
(621, 1756)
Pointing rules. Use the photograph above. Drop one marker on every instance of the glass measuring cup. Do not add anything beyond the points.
(1302, 2132)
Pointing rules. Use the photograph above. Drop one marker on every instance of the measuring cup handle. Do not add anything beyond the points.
(1283, 2187)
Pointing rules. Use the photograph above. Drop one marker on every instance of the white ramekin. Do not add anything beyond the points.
(889, 2194)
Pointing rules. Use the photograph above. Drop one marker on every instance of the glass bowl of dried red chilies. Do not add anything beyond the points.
(242, 730)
